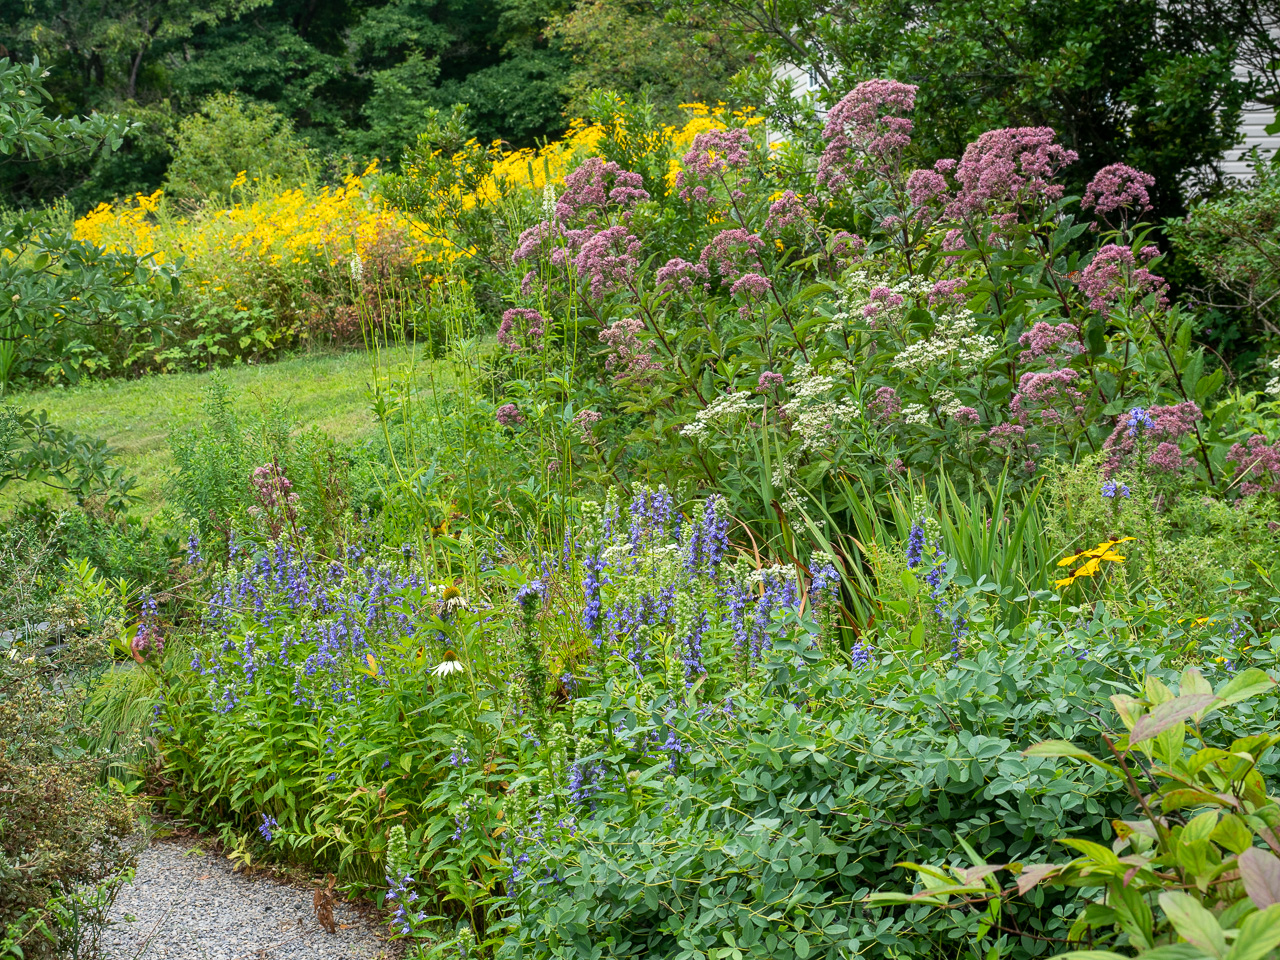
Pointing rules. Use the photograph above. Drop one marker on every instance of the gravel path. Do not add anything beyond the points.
(191, 905)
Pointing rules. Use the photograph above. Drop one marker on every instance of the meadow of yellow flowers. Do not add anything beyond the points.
(307, 261)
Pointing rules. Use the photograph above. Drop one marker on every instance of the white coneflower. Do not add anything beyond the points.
(449, 664)
(453, 599)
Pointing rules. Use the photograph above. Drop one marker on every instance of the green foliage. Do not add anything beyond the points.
(1135, 81)
(34, 450)
(229, 137)
(1234, 240)
(631, 48)
(1200, 846)
(65, 842)
(58, 290)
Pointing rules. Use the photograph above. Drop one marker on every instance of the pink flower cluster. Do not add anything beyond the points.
(733, 252)
(768, 380)
(881, 297)
(272, 487)
(509, 415)
(607, 259)
(866, 128)
(1260, 462)
(1050, 396)
(1112, 273)
(595, 185)
(924, 186)
(1015, 165)
(585, 420)
(845, 244)
(712, 153)
(680, 274)
(1163, 424)
(947, 291)
(1048, 340)
(521, 327)
(628, 358)
(754, 287)
(885, 405)
(789, 210)
(1118, 186)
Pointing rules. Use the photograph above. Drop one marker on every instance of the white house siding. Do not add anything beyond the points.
(1254, 130)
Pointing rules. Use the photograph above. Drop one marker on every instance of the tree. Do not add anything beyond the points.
(632, 48)
(1145, 82)
(55, 286)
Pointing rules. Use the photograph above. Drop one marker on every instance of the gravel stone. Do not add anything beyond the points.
(192, 906)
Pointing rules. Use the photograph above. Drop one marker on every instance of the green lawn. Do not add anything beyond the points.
(328, 390)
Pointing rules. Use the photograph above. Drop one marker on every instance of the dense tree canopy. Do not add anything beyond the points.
(1147, 82)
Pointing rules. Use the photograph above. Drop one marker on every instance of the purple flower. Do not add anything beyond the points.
(509, 415)
(607, 259)
(521, 327)
(768, 381)
(915, 544)
(597, 184)
(865, 130)
(1118, 186)
(1112, 273)
(680, 274)
(630, 360)
(1015, 165)
(267, 827)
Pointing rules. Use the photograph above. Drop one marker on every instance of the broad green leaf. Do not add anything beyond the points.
(1259, 934)
(1193, 922)
(1064, 748)
(1245, 684)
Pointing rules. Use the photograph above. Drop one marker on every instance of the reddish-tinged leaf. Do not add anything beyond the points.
(1168, 714)
(1033, 874)
(1260, 872)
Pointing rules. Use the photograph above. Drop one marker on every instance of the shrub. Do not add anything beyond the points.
(60, 831)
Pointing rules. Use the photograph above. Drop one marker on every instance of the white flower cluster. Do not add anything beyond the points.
(1273, 385)
(722, 409)
(954, 343)
(948, 403)
(855, 293)
(915, 414)
(775, 573)
(814, 413)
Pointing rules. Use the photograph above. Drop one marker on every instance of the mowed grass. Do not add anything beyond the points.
(135, 417)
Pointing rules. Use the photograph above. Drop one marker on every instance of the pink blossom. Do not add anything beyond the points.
(607, 259)
(526, 282)
(629, 358)
(1168, 423)
(585, 420)
(947, 291)
(1015, 165)
(1049, 395)
(768, 380)
(896, 466)
(885, 405)
(844, 244)
(712, 153)
(1045, 339)
(967, 415)
(1167, 457)
(509, 415)
(1149, 252)
(1006, 435)
(527, 326)
(733, 252)
(595, 185)
(680, 274)
(1112, 273)
(1259, 461)
(866, 129)
(533, 241)
(925, 185)
(1118, 186)
(788, 211)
